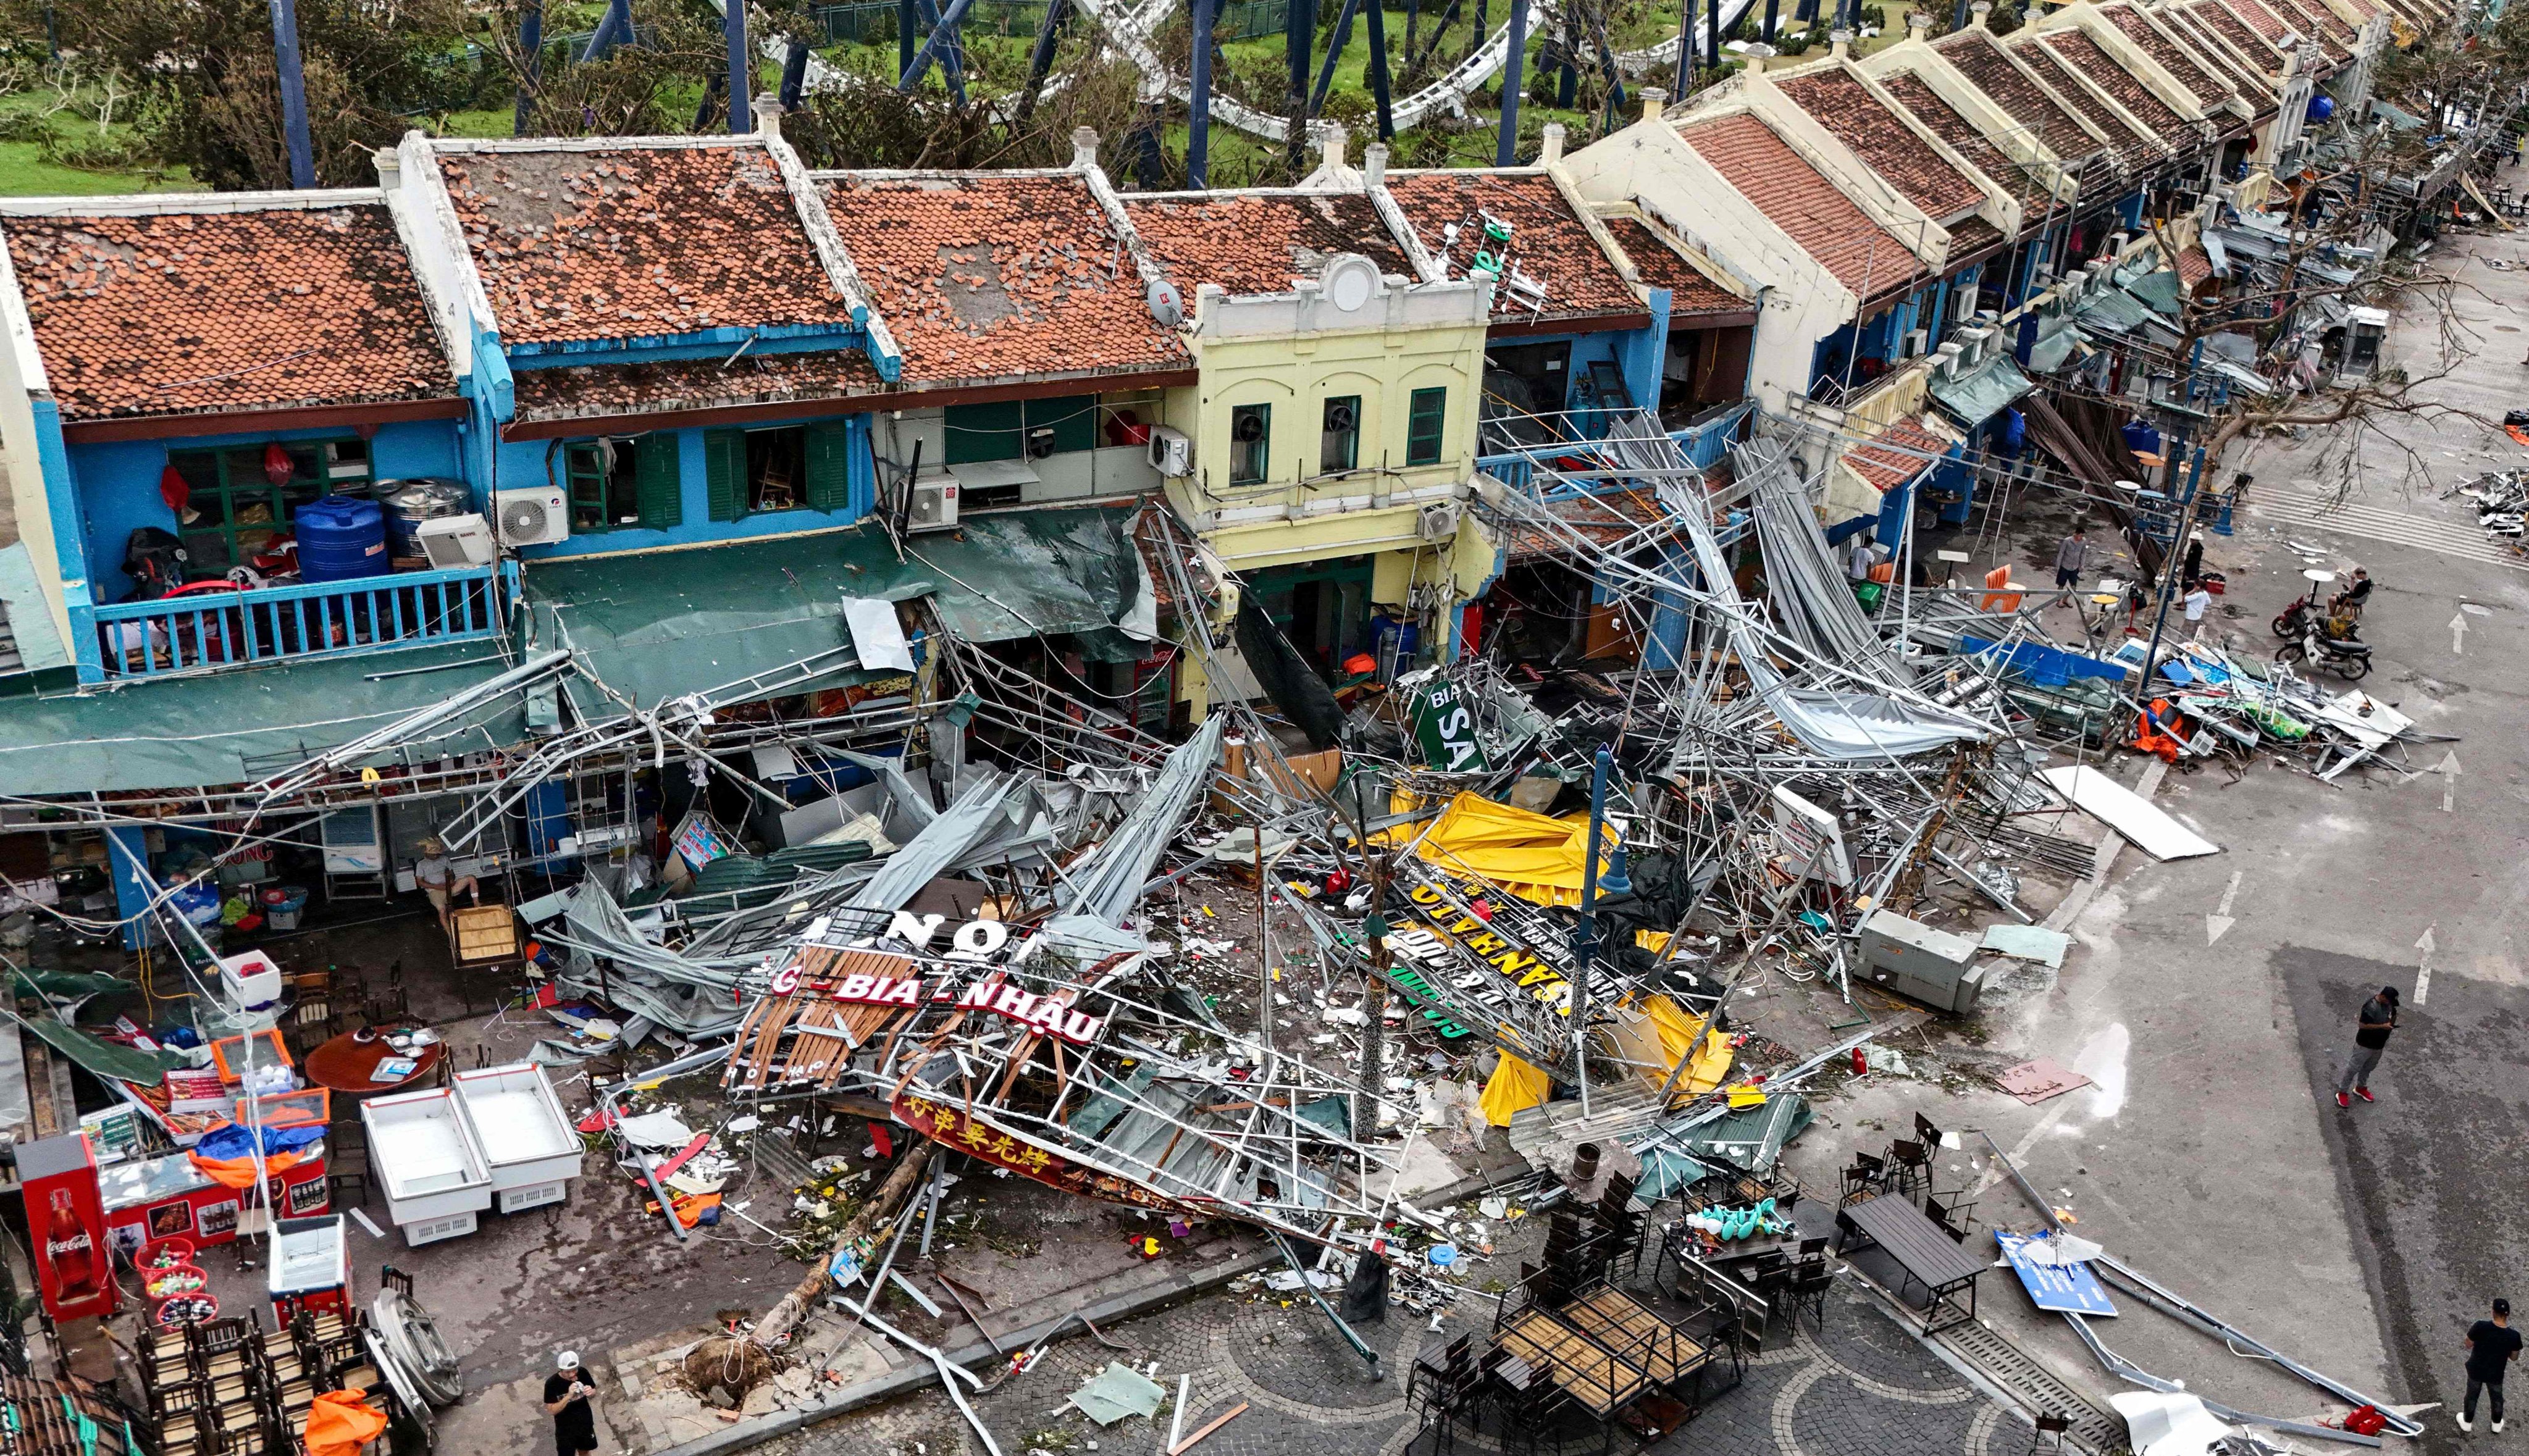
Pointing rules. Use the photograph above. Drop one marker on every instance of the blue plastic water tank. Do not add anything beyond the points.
(340, 538)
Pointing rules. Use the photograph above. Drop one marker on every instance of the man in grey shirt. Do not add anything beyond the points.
(439, 879)
(2071, 554)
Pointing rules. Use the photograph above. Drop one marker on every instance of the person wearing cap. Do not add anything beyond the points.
(567, 1401)
(439, 880)
(2492, 1345)
(2370, 1039)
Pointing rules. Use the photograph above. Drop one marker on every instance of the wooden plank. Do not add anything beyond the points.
(1188, 1444)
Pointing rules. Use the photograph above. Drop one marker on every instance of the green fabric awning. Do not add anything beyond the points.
(2056, 347)
(661, 624)
(236, 727)
(1981, 392)
(104, 1058)
(2159, 292)
(2113, 310)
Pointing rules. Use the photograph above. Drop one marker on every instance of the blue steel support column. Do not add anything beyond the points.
(794, 75)
(742, 76)
(907, 20)
(294, 92)
(937, 45)
(612, 29)
(133, 891)
(1341, 38)
(531, 50)
(1506, 150)
(1773, 16)
(1378, 88)
(1299, 34)
(1198, 109)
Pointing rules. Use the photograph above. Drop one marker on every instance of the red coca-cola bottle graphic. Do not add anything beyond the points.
(71, 1251)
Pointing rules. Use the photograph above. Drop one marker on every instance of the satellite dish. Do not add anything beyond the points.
(1349, 282)
(1167, 306)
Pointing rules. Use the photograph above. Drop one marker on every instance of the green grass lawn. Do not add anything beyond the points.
(26, 171)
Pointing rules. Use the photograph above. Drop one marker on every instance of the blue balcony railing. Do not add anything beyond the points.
(209, 628)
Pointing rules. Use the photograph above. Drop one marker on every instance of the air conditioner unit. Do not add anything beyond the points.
(1172, 452)
(532, 518)
(2116, 243)
(454, 542)
(1916, 341)
(1967, 300)
(1437, 523)
(934, 507)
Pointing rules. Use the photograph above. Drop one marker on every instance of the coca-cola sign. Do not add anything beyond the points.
(67, 1217)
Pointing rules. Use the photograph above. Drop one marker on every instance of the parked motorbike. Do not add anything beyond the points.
(2292, 620)
(2349, 658)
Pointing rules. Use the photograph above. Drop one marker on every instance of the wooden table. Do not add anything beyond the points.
(1928, 1255)
(348, 1065)
(1599, 1379)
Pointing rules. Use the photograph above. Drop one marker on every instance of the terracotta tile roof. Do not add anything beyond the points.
(1861, 256)
(1917, 95)
(2334, 39)
(2193, 265)
(1979, 57)
(2207, 85)
(1846, 107)
(1258, 243)
(1548, 241)
(1971, 237)
(2080, 53)
(1690, 292)
(630, 242)
(2253, 49)
(1602, 521)
(993, 275)
(2259, 18)
(2135, 149)
(588, 390)
(1896, 455)
(181, 312)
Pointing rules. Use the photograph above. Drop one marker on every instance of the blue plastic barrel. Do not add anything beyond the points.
(340, 538)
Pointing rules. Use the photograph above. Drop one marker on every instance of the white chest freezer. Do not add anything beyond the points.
(518, 1123)
(434, 1176)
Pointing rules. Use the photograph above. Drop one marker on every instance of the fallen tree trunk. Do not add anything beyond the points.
(882, 1203)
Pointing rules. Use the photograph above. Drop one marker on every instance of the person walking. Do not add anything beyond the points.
(2492, 1345)
(2071, 554)
(2198, 600)
(2190, 569)
(2379, 1018)
(567, 1401)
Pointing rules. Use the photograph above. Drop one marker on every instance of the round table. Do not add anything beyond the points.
(348, 1065)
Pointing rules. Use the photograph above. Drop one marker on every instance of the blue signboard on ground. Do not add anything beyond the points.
(2068, 1289)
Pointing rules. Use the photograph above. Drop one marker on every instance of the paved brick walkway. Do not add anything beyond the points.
(1864, 1387)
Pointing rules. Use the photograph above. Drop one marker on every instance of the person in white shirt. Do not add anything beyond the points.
(2197, 602)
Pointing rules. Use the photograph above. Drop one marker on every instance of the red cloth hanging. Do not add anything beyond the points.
(276, 466)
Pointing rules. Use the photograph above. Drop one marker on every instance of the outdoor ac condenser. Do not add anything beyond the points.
(1172, 452)
(1915, 960)
(453, 542)
(538, 517)
(934, 507)
(1437, 523)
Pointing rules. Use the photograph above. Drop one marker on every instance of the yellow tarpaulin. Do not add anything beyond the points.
(1683, 1034)
(1515, 1087)
(1530, 856)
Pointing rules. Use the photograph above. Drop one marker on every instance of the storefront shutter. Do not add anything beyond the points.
(829, 466)
(659, 481)
(724, 470)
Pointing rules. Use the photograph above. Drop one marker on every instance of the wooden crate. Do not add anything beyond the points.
(484, 934)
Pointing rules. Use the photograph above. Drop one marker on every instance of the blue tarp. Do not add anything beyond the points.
(234, 1141)
(2041, 664)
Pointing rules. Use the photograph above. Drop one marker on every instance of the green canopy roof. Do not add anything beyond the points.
(236, 727)
(1983, 392)
(659, 624)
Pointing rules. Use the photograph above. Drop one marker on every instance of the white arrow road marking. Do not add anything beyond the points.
(2424, 964)
(2448, 769)
(2459, 632)
(2218, 923)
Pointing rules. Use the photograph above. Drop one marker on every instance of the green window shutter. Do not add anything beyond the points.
(1424, 426)
(724, 468)
(1073, 420)
(659, 481)
(984, 432)
(829, 466)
